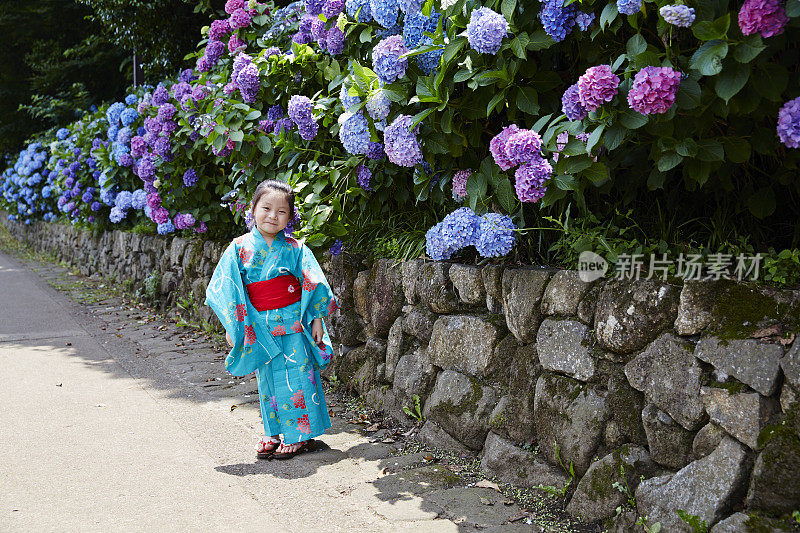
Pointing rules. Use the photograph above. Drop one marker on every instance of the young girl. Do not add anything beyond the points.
(270, 294)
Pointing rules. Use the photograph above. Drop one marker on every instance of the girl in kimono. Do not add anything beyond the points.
(270, 295)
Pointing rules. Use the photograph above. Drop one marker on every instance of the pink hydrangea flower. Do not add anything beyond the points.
(497, 146)
(597, 86)
(767, 17)
(460, 184)
(654, 90)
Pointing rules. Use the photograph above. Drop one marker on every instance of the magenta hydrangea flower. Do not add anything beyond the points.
(597, 86)
(523, 146)
(400, 144)
(789, 123)
(233, 5)
(460, 184)
(235, 44)
(497, 146)
(767, 17)
(239, 19)
(218, 30)
(654, 90)
(530, 180)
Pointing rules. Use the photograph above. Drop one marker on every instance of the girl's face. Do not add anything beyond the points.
(271, 213)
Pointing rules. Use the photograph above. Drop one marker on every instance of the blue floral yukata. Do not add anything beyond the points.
(276, 344)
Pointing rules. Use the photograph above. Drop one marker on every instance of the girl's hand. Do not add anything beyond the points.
(316, 330)
(228, 339)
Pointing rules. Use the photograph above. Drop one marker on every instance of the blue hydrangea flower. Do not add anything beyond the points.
(165, 228)
(354, 134)
(112, 133)
(460, 228)
(62, 134)
(124, 200)
(300, 109)
(114, 111)
(413, 27)
(360, 9)
(411, 6)
(128, 116)
(386, 60)
(678, 15)
(383, 33)
(190, 177)
(429, 61)
(87, 197)
(584, 20)
(336, 247)
(347, 100)
(436, 246)
(384, 12)
(375, 151)
(274, 113)
(363, 175)
(557, 19)
(138, 199)
(116, 215)
(378, 105)
(570, 104)
(629, 7)
(486, 30)
(131, 99)
(314, 7)
(496, 237)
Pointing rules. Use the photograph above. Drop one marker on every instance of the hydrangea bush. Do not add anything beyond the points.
(373, 107)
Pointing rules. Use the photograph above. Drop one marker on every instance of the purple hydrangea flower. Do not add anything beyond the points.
(654, 90)
(179, 90)
(163, 148)
(436, 246)
(789, 123)
(96, 206)
(147, 168)
(384, 12)
(523, 146)
(239, 19)
(386, 60)
(218, 30)
(496, 237)
(401, 145)
(629, 7)
(570, 104)
(160, 96)
(166, 112)
(284, 124)
(301, 38)
(190, 177)
(248, 83)
(308, 131)
(530, 180)
(159, 215)
(375, 151)
(183, 221)
(334, 41)
(214, 51)
(363, 176)
(767, 17)
(584, 20)
(460, 184)
(557, 19)
(378, 105)
(678, 15)
(314, 7)
(359, 9)
(354, 134)
(201, 227)
(331, 8)
(597, 85)
(460, 228)
(497, 147)
(486, 30)
(239, 62)
(153, 200)
(336, 249)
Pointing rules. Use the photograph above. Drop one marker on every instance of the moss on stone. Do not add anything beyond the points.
(466, 405)
(740, 310)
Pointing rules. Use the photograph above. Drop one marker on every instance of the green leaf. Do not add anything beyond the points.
(594, 138)
(237, 136)
(614, 137)
(687, 148)
(636, 45)
(537, 127)
(507, 8)
(689, 94)
(495, 101)
(710, 150)
(573, 165)
(597, 173)
(462, 75)
(708, 58)
(748, 49)
(566, 182)
(518, 48)
(608, 15)
(452, 49)
(528, 100)
(697, 170)
(477, 185)
(419, 117)
(737, 150)
(656, 180)
(731, 80)
(669, 161)
(264, 144)
(771, 80)
(793, 10)
(632, 119)
(366, 34)
(504, 193)
(540, 41)
(762, 203)
(252, 115)
(707, 30)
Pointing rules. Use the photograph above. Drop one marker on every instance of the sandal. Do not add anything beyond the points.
(301, 447)
(265, 449)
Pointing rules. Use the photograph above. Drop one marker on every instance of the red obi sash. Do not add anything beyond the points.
(274, 293)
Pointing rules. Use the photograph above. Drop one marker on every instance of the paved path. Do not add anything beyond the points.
(113, 422)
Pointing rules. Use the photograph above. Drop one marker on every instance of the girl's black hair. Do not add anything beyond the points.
(273, 185)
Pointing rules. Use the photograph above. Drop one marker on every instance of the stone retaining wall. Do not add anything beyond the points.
(694, 388)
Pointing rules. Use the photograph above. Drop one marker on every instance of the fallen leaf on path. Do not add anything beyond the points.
(786, 341)
(774, 329)
(373, 427)
(523, 516)
(233, 407)
(486, 501)
(486, 484)
(388, 441)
